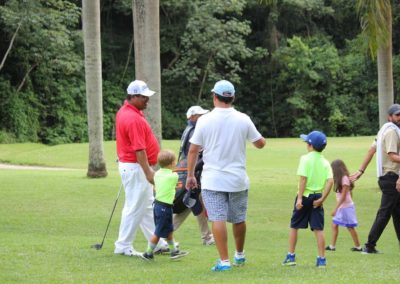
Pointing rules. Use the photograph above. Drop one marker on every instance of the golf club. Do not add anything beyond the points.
(99, 246)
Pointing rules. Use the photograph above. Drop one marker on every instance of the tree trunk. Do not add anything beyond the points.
(93, 78)
(385, 73)
(273, 41)
(146, 25)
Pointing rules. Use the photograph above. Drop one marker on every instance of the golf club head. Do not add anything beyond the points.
(97, 246)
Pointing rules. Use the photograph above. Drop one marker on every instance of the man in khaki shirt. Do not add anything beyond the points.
(388, 167)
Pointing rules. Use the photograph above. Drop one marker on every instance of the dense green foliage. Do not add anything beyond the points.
(297, 65)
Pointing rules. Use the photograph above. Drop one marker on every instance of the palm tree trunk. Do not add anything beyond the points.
(385, 73)
(93, 78)
(146, 24)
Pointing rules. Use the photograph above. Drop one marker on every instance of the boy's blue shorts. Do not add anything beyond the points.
(308, 214)
(163, 219)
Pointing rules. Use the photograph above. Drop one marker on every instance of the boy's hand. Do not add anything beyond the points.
(299, 204)
(317, 203)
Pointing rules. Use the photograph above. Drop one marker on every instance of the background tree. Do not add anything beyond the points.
(42, 96)
(259, 47)
(93, 78)
(376, 23)
(146, 24)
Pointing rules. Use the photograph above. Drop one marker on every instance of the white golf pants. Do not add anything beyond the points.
(138, 209)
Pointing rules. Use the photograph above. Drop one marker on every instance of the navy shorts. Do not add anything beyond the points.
(163, 219)
(308, 214)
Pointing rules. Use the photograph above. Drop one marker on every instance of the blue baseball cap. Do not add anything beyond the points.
(316, 138)
(224, 88)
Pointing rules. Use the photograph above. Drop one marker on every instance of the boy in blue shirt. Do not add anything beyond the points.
(315, 183)
(165, 181)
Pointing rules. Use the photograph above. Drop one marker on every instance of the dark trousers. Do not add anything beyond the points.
(390, 206)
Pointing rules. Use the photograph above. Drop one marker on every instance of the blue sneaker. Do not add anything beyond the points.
(321, 262)
(239, 261)
(290, 260)
(220, 267)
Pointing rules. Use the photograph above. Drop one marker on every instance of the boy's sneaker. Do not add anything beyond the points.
(369, 250)
(178, 254)
(147, 256)
(330, 248)
(220, 267)
(290, 260)
(239, 261)
(356, 249)
(161, 250)
(321, 262)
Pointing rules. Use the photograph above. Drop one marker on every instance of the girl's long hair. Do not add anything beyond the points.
(339, 171)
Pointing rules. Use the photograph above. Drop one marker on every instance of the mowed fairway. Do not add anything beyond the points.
(50, 219)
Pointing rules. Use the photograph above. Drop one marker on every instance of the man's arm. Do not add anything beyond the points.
(370, 154)
(141, 157)
(260, 143)
(191, 163)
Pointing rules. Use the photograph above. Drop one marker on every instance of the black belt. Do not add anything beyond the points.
(391, 174)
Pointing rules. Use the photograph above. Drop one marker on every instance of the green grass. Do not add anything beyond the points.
(49, 220)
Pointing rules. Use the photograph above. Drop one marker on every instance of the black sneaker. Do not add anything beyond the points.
(178, 254)
(330, 248)
(162, 250)
(369, 250)
(356, 249)
(147, 256)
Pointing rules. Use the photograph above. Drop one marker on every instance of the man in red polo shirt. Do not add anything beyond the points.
(137, 150)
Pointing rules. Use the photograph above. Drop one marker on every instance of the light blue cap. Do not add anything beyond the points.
(224, 88)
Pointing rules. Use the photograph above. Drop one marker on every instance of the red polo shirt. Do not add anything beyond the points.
(133, 133)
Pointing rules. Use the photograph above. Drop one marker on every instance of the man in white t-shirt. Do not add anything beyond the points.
(222, 134)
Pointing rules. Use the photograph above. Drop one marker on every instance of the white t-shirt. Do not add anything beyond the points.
(222, 134)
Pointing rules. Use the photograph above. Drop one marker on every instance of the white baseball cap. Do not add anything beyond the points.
(195, 110)
(138, 87)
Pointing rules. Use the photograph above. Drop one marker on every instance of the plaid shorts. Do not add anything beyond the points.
(226, 206)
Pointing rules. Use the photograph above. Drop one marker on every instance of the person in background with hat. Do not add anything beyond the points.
(137, 150)
(222, 134)
(387, 147)
(193, 114)
(316, 181)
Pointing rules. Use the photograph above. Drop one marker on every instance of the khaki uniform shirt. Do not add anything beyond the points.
(390, 144)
